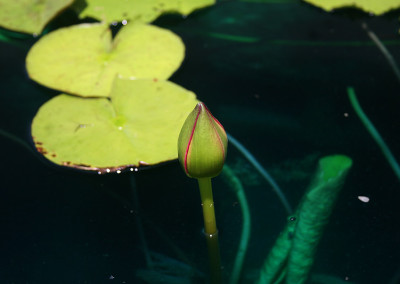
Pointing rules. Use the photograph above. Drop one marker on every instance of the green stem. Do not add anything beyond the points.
(383, 49)
(235, 183)
(210, 226)
(373, 132)
(262, 172)
(210, 229)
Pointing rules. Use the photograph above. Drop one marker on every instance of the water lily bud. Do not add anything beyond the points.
(202, 144)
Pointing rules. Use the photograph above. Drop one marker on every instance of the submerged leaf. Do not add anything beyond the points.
(29, 16)
(139, 125)
(141, 11)
(84, 60)
(377, 7)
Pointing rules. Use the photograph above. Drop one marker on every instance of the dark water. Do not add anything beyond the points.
(275, 75)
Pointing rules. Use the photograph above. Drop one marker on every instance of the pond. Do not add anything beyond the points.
(276, 75)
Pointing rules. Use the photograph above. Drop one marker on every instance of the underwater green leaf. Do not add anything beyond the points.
(141, 11)
(292, 256)
(138, 125)
(29, 16)
(84, 59)
(377, 7)
(313, 214)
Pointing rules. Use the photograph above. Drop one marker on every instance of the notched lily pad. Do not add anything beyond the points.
(377, 7)
(29, 16)
(141, 11)
(138, 125)
(84, 59)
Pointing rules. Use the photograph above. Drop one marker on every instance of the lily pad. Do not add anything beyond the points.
(138, 125)
(377, 7)
(29, 16)
(142, 11)
(84, 59)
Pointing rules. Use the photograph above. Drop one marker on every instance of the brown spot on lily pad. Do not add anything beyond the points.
(41, 150)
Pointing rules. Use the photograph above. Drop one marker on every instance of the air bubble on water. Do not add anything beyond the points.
(364, 199)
